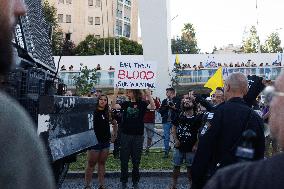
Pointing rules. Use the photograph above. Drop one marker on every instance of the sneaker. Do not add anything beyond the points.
(136, 185)
(101, 187)
(123, 185)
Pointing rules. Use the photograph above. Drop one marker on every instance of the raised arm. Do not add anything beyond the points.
(151, 106)
(113, 103)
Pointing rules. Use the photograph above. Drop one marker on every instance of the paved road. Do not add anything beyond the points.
(113, 183)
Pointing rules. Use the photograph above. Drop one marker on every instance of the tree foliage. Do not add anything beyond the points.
(86, 81)
(187, 43)
(251, 42)
(272, 44)
(58, 44)
(94, 46)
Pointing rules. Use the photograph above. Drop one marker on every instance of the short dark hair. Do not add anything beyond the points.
(220, 89)
(171, 89)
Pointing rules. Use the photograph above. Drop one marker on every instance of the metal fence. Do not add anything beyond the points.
(186, 76)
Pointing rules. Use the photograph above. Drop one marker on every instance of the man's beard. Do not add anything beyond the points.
(6, 55)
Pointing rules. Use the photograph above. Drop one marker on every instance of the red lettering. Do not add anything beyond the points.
(121, 74)
(150, 75)
(143, 75)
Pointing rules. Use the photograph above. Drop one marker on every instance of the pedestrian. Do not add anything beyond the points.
(223, 129)
(149, 122)
(266, 173)
(132, 133)
(185, 129)
(117, 115)
(98, 154)
(169, 110)
(22, 155)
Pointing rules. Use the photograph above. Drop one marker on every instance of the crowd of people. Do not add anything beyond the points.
(215, 139)
(213, 64)
(208, 134)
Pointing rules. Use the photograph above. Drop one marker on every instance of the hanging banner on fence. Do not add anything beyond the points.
(135, 75)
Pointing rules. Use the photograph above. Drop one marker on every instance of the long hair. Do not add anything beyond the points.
(137, 94)
(106, 109)
(195, 108)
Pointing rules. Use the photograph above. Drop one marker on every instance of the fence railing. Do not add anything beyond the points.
(105, 78)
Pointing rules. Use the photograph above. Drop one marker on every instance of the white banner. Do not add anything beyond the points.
(135, 75)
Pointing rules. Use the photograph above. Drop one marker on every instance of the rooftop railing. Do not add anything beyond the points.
(186, 77)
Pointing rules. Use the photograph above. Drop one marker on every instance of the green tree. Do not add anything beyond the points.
(187, 44)
(94, 46)
(251, 42)
(58, 44)
(272, 44)
(86, 81)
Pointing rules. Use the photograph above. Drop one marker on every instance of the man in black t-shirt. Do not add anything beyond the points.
(185, 129)
(132, 136)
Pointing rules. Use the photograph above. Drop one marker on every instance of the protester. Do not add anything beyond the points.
(169, 110)
(117, 115)
(149, 122)
(185, 129)
(221, 133)
(98, 67)
(132, 132)
(98, 154)
(262, 174)
(23, 160)
(63, 68)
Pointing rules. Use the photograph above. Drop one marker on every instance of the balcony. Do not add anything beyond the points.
(187, 77)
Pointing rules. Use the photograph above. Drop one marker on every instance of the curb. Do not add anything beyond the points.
(116, 174)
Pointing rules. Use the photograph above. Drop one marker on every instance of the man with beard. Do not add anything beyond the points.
(23, 161)
(266, 173)
(185, 129)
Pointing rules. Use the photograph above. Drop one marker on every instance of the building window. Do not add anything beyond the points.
(128, 2)
(97, 36)
(97, 21)
(91, 20)
(68, 2)
(60, 18)
(118, 27)
(91, 3)
(60, 1)
(126, 31)
(68, 36)
(98, 3)
(68, 18)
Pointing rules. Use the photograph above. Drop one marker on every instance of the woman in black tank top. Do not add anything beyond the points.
(99, 152)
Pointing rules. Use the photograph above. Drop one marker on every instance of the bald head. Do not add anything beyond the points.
(236, 85)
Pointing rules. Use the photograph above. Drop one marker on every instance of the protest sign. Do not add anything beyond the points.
(135, 75)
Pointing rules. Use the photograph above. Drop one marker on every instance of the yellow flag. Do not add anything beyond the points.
(215, 81)
(177, 60)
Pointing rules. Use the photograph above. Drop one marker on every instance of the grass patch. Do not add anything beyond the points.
(153, 161)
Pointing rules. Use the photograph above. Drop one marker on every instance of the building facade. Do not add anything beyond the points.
(101, 18)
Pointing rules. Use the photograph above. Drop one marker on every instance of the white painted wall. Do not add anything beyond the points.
(193, 59)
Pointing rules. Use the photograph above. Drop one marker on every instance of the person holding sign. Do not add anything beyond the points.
(132, 132)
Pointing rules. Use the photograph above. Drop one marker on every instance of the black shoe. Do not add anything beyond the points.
(101, 187)
(136, 185)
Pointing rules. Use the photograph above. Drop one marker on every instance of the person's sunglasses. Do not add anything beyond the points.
(270, 92)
